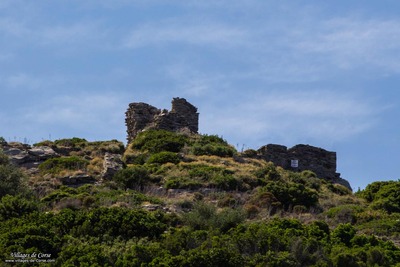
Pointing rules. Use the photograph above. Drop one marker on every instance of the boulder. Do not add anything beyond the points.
(111, 164)
(43, 152)
(77, 180)
(17, 156)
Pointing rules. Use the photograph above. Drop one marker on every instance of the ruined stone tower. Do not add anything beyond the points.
(304, 157)
(141, 116)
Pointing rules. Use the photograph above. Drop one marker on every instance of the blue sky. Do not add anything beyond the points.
(324, 73)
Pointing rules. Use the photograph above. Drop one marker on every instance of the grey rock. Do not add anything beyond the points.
(43, 152)
(17, 156)
(112, 163)
(77, 180)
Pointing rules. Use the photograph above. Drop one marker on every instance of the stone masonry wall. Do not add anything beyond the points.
(184, 117)
(141, 116)
(318, 160)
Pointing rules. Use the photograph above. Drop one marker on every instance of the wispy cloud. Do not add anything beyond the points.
(26, 82)
(295, 117)
(184, 32)
(352, 42)
(87, 33)
(91, 115)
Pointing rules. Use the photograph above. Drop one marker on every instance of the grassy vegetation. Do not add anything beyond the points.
(184, 200)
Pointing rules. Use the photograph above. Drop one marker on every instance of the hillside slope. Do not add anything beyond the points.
(172, 199)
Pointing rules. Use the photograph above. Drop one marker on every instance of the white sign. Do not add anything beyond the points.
(294, 163)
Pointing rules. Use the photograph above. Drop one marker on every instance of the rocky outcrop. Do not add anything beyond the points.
(77, 180)
(141, 116)
(111, 164)
(26, 156)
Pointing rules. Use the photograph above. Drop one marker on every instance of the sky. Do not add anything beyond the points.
(323, 73)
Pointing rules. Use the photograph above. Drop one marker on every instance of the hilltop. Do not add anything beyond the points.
(174, 197)
(186, 199)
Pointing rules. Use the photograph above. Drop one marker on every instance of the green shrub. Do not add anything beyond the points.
(125, 223)
(132, 177)
(83, 254)
(2, 141)
(45, 143)
(29, 237)
(71, 142)
(251, 153)
(226, 182)
(205, 217)
(206, 172)
(344, 214)
(383, 195)
(164, 157)
(344, 233)
(339, 189)
(308, 174)
(182, 183)
(15, 206)
(112, 146)
(265, 199)
(212, 145)
(212, 176)
(4, 160)
(267, 173)
(56, 165)
(213, 149)
(59, 194)
(12, 180)
(135, 158)
(155, 141)
(292, 194)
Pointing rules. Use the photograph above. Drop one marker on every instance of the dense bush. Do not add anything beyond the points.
(132, 177)
(207, 237)
(12, 179)
(383, 195)
(4, 160)
(56, 165)
(2, 140)
(164, 157)
(344, 233)
(344, 214)
(212, 145)
(71, 142)
(292, 194)
(212, 176)
(16, 206)
(205, 217)
(155, 141)
(182, 183)
(267, 173)
(120, 222)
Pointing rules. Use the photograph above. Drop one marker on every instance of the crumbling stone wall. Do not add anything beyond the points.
(304, 157)
(141, 116)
